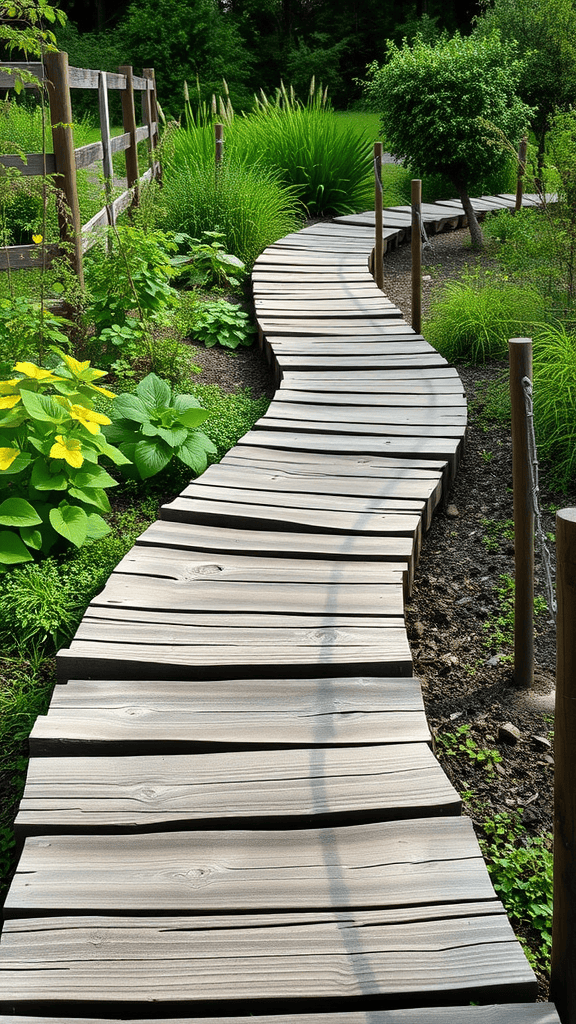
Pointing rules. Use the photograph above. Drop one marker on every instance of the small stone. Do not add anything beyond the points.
(492, 662)
(455, 715)
(419, 629)
(548, 759)
(426, 277)
(542, 742)
(509, 733)
(452, 512)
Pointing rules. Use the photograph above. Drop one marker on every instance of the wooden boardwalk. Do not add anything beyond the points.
(232, 810)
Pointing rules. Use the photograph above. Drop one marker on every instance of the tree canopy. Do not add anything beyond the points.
(449, 107)
(545, 32)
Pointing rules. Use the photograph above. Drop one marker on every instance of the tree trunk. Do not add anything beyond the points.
(476, 235)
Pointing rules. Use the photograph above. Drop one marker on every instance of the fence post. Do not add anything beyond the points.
(129, 122)
(106, 150)
(416, 240)
(378, 240)
(520, 354)
(64, 156)
(563, 974)
(522, 153)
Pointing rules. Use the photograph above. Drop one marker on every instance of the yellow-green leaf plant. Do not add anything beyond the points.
(52, 488)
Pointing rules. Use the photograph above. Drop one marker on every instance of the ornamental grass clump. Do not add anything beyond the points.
(473, 319)
(328, 164)
(554, 377)
(248, 204)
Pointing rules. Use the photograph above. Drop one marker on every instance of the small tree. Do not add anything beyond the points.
(444, 107)
(545, 32)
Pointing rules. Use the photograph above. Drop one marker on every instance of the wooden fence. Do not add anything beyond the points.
(63, 164)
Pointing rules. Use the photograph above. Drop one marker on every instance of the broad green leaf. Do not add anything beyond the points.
(114, 454)
(183, 402)
(130, 407)
(120, 431)
(194, 451)
(156, 393)
(70, 522)
(31, 537)
(18, 512)
(22, 461)
(174, 436)
(93, 476)
(151, 458)
(43, 407)
(12, 549)
(193, 417)
(91, 496)
(97, 528)
(43, 480)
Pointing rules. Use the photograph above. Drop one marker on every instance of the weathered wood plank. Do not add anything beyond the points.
(398, 516)
(204, 593)
(143, 717)
(33, 164)
(78, 795)
(446, 448)
(509, 1013)
(104, 660)
(419, 861)
(335, 463)
(76, 963)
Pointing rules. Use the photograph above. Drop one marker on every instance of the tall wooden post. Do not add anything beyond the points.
(416, 238)
(218, 143)
(563, 974)
(106, 140)
(378, 240)
(64, 156)
(522, 153)
(129, 122)
(520, 352)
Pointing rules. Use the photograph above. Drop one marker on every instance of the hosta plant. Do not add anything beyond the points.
(207, 262)
(222, 323)
(154, 426)
(52, 489)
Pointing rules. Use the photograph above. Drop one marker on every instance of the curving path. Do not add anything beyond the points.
(232, 810)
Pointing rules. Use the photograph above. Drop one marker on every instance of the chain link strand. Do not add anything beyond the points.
(539, 532)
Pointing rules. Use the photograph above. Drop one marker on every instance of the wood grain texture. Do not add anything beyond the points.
(76, 795)
(143, 717)
(419, 861)
(509, 1013)
(76, 961)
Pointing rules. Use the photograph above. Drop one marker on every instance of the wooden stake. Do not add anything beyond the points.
(129, 122)
(416, 200)
(219, 143)
(563, 974)
(64, 156)
(522, 153)
(520, 353)
(106, 139)
(378, 241)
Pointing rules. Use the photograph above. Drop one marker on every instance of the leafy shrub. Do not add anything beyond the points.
(520, 867)
(474, 318)
(153, 426)
(27, 328)
(132, 276)
(50, 444)
(207, 262)
(222, 323)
